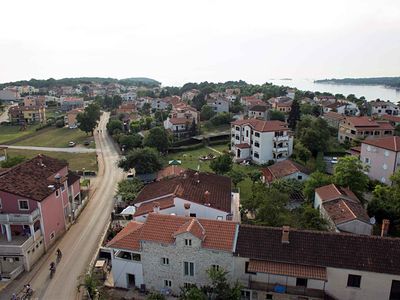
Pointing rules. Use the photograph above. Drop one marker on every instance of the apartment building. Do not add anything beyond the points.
(258, 112)
(22, 115)
(384, 108)
(359, 128)
(219, 104)
(382, 156)
(260, 141)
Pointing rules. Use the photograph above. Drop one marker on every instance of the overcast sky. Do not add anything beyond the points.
(180, 41)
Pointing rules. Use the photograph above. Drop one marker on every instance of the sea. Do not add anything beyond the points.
(370, 92)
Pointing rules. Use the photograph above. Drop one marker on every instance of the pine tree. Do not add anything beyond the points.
(294, 115)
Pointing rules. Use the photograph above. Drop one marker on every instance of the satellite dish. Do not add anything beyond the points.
(372, 221)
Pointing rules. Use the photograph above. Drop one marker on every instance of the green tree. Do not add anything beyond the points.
(135, 127)
(222, 164)
(199, 101)
(313, 133)
(192, 293)
(155, 296)
(88, 118)
(157, 138)
(310, 218)
(207, 112)
(302, 152)
(294, 114)
(130, 141)
(128, 189)
(255, 176)
(114, 126)
(221, 119)
(315, 180)
(145, 110)
(143, 160)
(349, 172)
(276, 115)
(220, 286)
(237, 176)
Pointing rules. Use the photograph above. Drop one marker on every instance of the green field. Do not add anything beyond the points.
(57, 137)
(190, 160)
(76, 161)
(9, 133)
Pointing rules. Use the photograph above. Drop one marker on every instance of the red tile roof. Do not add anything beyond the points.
(219, 235)
(263, 126)
(333, 115)
(242, 146)
(179, 121)
(320, 248)
(192, 186)
(342, 211)
(282, 169)
(390, 143)
(292, 270)
(368, 123)
(331, 192)
(194, 227)
(395, 119)
(128, 238)
(148, 207)
(170, 171)
(31, 179)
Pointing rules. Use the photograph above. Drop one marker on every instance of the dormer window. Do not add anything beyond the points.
(188, 242)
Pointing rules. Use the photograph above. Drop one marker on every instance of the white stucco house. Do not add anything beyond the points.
(260, 141)
(219, 105)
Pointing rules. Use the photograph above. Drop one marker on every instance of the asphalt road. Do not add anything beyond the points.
(80, 243)
(53, 149)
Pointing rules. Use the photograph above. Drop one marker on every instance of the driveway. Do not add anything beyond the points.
(52, 149)
(4, 115)
(80, 243)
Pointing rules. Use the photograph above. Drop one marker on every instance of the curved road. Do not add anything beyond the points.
(82, 239)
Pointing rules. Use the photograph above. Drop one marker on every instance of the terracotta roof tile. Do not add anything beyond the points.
(342, 210)
(128, 238)
(242, 146)
(283, 168)
(263, 126)
(179, 121)
(192, 186)
(319, 248)
(391, 143)
(333, 115)
(194, 227)
(292, 270)
(331, 192)
(148, 207)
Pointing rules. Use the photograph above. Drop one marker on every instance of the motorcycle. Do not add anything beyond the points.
(52, 270)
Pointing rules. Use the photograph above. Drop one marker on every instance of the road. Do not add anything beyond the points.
(4, 115)
(80, 243)
(52, 149)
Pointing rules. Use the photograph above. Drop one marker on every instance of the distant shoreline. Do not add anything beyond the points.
(386, 82)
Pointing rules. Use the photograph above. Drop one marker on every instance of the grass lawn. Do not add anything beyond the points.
(76, 161)
(8, 133)
(211, 128)
(53, 112)
(190, 160)
(57, 137)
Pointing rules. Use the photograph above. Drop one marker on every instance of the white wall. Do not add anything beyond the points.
(122, 267)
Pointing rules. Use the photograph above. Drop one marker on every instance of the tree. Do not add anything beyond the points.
(222, 164)
(157, 138)
(313, 133)
(220, 286)
(155, 296)
(128, 189)
(349, 172)
(145, 109)
(207, 112)
(276, 115)
(310, 218)
(270, 206)
(115, 126)
(294, 114)
(315, 180)
(199, 101)
(255, 176)
(143, 160)
(60, 123)
(192, 293)
(89, 118)
(302, 152)
(128, 142)
(236, 176)
(221, 119)
(236, 106)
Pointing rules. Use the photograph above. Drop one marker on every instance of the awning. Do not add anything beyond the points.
(130, 210)
(286, 269)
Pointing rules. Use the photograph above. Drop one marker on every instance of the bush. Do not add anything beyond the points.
(60, 123)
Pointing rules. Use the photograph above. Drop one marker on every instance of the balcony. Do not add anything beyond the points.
(290, 290)
(280, 149)
(280, 138)
(20, 218)
(18, 245)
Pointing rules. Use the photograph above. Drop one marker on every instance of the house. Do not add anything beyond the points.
(158, 104)
(22, 115)
(341, 107)
(219, 105)
(169, 172)
(196, 194)
(285, 169)
(182, 110)
(286, 263)
(9, 95)
(180, 127)
(70, 103)
(34, 101)
(189, 95)
(382, 156)
(394, 120)
(258, 112)
(384, 108)
(130, 96)
(325, 98)
(38, 199)
(167, 252)
(342, 209)
(260, 141)
(249, 101)
(359, 128)
(284, 107)
(333, 118)
(70, 118)
(126, 108)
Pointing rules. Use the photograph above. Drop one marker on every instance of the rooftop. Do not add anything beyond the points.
(282, 169)
(391, 143)
(365, 121)
(263, 126)
(343, 210)
(331, 192)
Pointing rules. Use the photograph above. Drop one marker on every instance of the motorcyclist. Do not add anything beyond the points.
(28, 290)
(59, 254)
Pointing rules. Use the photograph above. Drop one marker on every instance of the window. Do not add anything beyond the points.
(385, 166)
(247, 133)
(215, 267)
(57, 193)
(188, 268)
(395, 290)
(256, 155)
(0, 204)
(257, 134)
(237, 128)
(193, 215)
(354, 281)
(257, 144)
(167, 283)
(367, 160)
(301, 282)
(165, 261)
(245, 295)
(246, 268)
(188, 242)
(23, 204)
(268, 296)
(62, 188)
(299, 177)
(386, 153)
(52, 235)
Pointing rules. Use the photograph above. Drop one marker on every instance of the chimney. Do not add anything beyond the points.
(285, 234)
(156, 207)
(207, 198)
(196, 177)
(385, 227)
(187, 209)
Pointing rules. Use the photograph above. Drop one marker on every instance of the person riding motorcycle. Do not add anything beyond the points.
(59, 254)
(52, 268)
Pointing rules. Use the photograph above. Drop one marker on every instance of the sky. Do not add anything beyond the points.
(178, 41)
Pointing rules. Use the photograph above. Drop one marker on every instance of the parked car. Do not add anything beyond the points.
(334, 160)
(86, 143)
(71, 144)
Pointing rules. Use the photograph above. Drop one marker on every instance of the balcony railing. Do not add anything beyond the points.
(280, 149)
(291, 290)
(20, 218)
(18, 244)
(280, 138)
